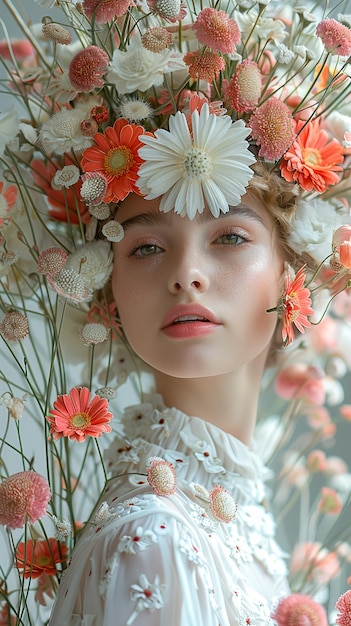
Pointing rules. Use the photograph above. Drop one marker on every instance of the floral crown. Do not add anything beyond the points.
(178, 101)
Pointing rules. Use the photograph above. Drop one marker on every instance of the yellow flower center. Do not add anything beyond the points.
(43, 561)
(118, 161)
(197, 163)
(80, 420)
(311, 157)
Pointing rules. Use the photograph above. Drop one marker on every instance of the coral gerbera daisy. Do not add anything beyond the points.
(37, 557)
(300, 609)
(76, 416)
(344, 609)
(294, 306)
(210, 164)
(313, 160)
(116, 156)
(8, 197)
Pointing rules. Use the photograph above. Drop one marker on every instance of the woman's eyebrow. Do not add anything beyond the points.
(156, 217)
(150, 218)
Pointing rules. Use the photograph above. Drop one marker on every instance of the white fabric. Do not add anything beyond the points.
(151, 560)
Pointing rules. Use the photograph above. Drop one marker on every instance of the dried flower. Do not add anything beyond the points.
(71, 285)
(171, 10)
(23, 497)
(107, 392)
(156, 39)
(223, 505)
(56, 33)
(217, 30)
(100, 211)
(99, 114)
(14, 326)
(37, 557)
(204, 64)
(135, 109)
(87, 68)
(343, 605)
(113, 231)
(161, 476)
(93, 188)
(76, 416)
(68, 176)
(93, 263)
(335, 36)
(94, 333)
(15, 406)
(9, 257)
(89, 127)
(299, 609)
(52, 261)
(63, 528)
(272, 128)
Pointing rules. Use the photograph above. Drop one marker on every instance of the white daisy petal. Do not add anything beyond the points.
(210, 164)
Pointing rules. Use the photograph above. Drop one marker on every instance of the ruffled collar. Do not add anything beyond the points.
(201, 452)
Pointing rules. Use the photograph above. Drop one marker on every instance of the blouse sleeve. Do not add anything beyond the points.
(146, 571)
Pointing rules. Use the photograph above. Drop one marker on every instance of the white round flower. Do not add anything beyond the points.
(313, 226)
(211, 165)
(138, 69)
(94, 333)
(93, 262)
(62, 132)
(68, 176)
(113, 231)
(135, 109)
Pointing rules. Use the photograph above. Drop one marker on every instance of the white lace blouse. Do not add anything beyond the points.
(153, 560)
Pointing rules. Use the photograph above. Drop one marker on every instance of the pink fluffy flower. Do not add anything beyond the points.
(105, 10)
(329, 502)
(217, 30)
(300, 610)
(87, 68)
(245, 88)
(343, 606)
(23, 497)
(335, 36)
(299, 380)
(273, 129)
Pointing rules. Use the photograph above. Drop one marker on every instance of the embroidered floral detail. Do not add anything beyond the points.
(123, 451)
(142, 539)
(239, 549)
(135, 505)
(192, 552)
(203, 453)
(223, 505)
(202, 519)
(107, 575)
(251, 608)
(161, 476)
(161, 424)
(200, 492)
(147, 596)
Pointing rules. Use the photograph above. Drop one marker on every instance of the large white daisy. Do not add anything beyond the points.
(209, 165)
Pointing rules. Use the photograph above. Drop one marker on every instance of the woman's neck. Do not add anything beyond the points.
(229, 401)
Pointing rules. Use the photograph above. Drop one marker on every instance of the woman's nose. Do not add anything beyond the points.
(188, 274)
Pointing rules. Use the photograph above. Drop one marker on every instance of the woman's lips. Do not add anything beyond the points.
(189, 320)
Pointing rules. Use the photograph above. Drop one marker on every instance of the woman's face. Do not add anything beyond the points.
(192, 295)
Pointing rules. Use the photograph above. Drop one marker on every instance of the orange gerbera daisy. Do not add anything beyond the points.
(116, 156)
(77, 417)
(36, 557)
(294, 306)
(313, 160)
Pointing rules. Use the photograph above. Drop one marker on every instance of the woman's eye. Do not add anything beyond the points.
(147, 249)
(230, 238)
